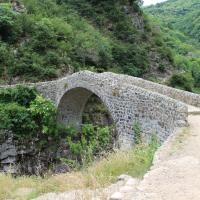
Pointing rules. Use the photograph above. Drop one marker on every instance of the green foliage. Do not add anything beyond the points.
(17, 119)
(54, 36)
(26, 113)
(44, 114)
(137, 133)
(6, 23)
(19, 94)
(181, 34)
(179, 15)
(6, 6)
(89, 143)
(196, 74)
(6, 61)
(162, 68)
(184, 81)
(44, 42)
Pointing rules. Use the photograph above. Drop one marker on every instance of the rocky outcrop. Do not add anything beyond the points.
(136, 17)
(8, 152)
(25, 156)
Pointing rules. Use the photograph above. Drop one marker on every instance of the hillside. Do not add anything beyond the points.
(180, 15)
(49, 39)
(178, 21)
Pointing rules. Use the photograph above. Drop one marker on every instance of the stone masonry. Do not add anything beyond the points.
(128, 99)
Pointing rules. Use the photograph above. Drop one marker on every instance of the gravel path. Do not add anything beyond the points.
(175, 174)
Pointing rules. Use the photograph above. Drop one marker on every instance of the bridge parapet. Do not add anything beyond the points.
(177, 94)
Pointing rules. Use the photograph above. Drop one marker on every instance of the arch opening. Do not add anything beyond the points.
(80, 106)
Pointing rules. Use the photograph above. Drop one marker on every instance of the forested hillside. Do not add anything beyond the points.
(180, 15)
(179, 24)
(48, 39)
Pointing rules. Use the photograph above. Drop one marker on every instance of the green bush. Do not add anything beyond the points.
(162, 68)
(26, 113)
(183, 80)
(196, 75)
(10, 29)
(6, 61)
(89, 143)
(6, 23)
(17, 119)
(19, 94)
(44, 113)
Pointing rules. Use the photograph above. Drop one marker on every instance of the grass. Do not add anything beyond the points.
(178, 141)
(135, 162)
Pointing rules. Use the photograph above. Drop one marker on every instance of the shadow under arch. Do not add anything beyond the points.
(72, 105)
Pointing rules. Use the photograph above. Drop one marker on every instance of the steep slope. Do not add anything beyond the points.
(48, 39)
(179, 26)
(180, 14)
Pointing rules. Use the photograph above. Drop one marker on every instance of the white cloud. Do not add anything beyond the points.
(150, 2)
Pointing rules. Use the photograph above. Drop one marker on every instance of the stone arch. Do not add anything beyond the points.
(72, 104)
(126, 102)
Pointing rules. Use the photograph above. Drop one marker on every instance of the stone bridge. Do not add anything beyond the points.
(159, 109)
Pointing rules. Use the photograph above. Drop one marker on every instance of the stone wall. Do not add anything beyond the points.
(180, 95)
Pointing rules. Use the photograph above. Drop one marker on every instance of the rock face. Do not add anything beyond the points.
(8, 152)
(26, 157)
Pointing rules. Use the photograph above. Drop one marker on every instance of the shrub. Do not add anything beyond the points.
(26, 113)
(196, 75)
(43, 113)
(18, 119)
(10, 30)
(183, 80)
(19, 94)
(44, 37)
(6, 61)
(162, 68)
(90, 142)
(6, 23)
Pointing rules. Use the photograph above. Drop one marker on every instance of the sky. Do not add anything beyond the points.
(150, 2)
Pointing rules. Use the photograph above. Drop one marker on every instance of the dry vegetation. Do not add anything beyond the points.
(101, 173)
